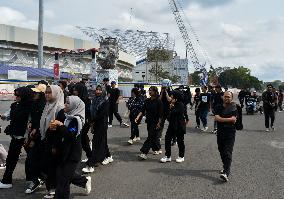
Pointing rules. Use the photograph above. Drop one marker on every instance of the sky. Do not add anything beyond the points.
(233, 32)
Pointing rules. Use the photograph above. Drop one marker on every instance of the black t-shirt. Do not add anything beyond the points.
(153, 109)
(226, 112)
(204, 99)
(114, 95)
(196, 99)
(217, 98)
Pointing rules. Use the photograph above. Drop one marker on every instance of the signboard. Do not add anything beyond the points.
(17, 74)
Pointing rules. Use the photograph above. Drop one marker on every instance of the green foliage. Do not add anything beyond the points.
(240, 78)
(158, 54)
(159, 73)
(195, 78)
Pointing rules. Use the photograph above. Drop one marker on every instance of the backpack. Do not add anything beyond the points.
(239, 123)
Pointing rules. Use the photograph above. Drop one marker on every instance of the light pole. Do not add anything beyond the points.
(40, 35)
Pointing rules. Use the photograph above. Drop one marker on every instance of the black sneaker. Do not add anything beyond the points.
(224, 177)
(32, 187)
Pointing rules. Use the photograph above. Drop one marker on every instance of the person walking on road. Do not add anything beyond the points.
(113, 105)
(226, 117)
(135, 105)
(153, 107)
(176, 128)
(204, 107)
(269, 102)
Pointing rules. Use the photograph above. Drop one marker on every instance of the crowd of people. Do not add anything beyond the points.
(52, 123)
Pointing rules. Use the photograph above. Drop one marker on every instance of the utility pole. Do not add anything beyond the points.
(40, 35)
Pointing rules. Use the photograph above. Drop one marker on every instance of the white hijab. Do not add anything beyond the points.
(51, 109)
(77, 111)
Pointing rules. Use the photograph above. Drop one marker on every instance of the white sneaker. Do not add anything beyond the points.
(88, 169)
(273, 128)
(110, 159)
(130, 141)
(224, 177)
(180, 160)
(157, 152)
(165, 159)
(105, 162)
(3, 166)
(84, 160)
(5, 186)
(109, 126)
(88, 185)
(123, 124)
(204, 129)
(137, 138)
(50, 194)
(143, 156)
(267, 130)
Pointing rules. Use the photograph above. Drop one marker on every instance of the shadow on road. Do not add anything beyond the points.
(193, 173)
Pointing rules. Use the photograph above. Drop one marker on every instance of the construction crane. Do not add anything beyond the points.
(177, 11)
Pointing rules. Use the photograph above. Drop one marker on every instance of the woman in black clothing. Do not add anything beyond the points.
(53, 110)
(226, 117)
(99, 118)
(33, 144)
(19, 116)
(153, 107)
(176, 128)
(134, 104)
(70, 149)
(81, 91)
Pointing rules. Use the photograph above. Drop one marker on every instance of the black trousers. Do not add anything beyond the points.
(85, 140)
(226, 141)
(180, 140)
(32, 164)
(280, 105)
(134, 129)
(65, 175)
(152, 140)
(113, 110)
(12, 159)
(197, 117)
(269, 114)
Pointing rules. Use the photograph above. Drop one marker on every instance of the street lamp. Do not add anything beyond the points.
(40, 35)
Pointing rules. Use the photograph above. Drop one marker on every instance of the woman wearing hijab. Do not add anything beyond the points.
(34, 145)
(19, 116)
(53, 110)
(81, 91)
(99, 116)
(70, 148)
(176, 128)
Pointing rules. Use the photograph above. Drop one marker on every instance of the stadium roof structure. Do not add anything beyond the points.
(33, 72)
(133, 42)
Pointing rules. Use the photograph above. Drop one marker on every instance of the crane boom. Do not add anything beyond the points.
(189, 45)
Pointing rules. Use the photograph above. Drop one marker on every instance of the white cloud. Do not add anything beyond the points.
(13, 17)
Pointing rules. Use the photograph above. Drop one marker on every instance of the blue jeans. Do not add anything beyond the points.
(203, 117)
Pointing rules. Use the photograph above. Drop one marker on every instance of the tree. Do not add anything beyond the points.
(195, 77)
(240, 78)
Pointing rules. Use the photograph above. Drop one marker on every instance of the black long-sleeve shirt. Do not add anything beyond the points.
(153, 109)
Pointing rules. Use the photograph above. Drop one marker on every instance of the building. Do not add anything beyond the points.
(176, 66)
(18, 47)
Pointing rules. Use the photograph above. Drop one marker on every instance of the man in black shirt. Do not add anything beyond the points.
(241, 97)
(113, 105)
(217, 99)
(226, 117)
(204, 107)
(269, 102)
(153, 107)
(107, 86)
(197, 111)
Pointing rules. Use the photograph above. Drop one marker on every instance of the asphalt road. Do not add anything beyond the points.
(257, 168)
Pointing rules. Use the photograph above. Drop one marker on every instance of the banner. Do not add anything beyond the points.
(17, 74)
